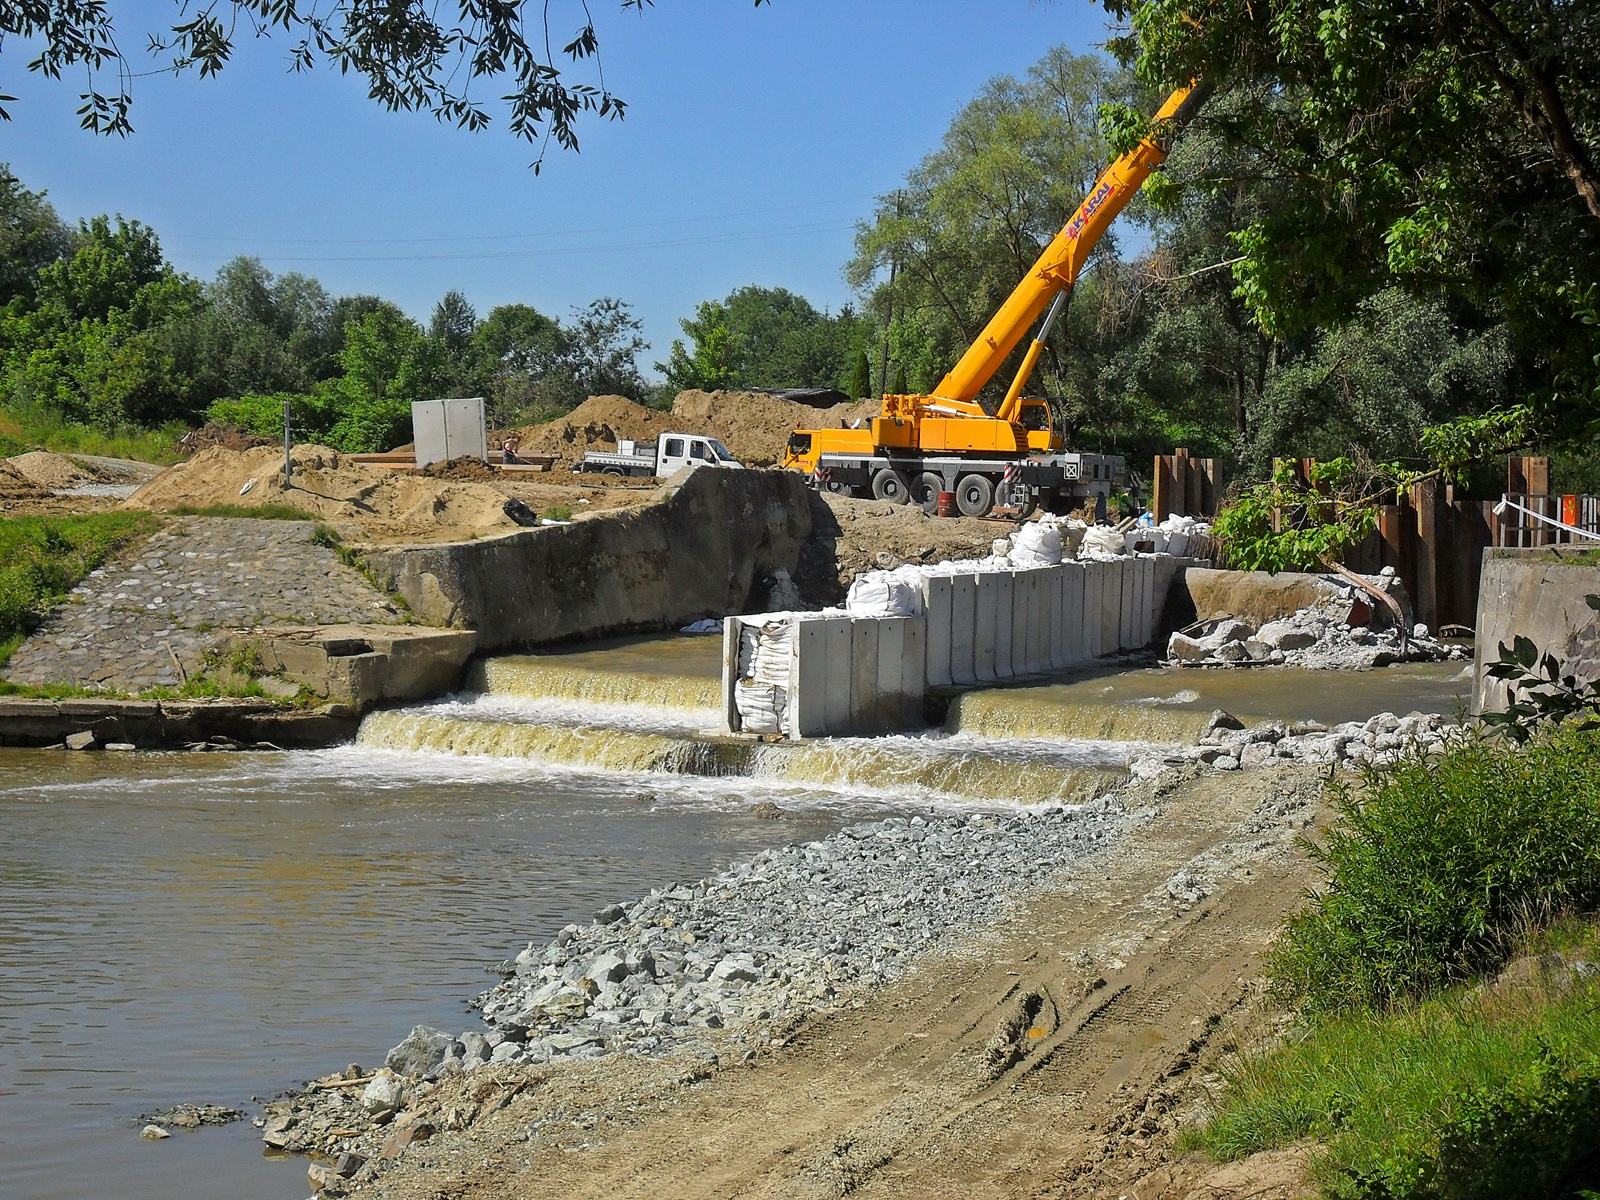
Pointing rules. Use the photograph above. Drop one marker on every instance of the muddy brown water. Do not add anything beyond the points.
(216, 928)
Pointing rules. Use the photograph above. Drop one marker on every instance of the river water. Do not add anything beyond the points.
(210, 928)
(213, 928)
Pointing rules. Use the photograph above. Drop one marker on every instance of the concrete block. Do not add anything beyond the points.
(1004, 612)
(1022, 587)
(1036, 643)
(839, 649)
(1129, 570)
(866, 696)
(1154, 600)
(1056, 616)
(936, 607)
(963, 629)
(1073, 578)
(1093, 582)
(986, 627)
(808, 698)
(913, 673)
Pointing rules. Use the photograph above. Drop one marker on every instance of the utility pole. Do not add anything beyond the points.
(288, 464)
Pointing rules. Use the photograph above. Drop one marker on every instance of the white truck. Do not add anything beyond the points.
(671, 452)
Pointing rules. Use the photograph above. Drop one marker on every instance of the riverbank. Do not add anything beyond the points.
(1043, 1044)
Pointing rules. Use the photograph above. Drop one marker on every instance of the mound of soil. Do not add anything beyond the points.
(464, 468)
(372, 503)
(598, 422)
(756, 426)
(50, 470)
(230, 437)
(849, 536)
(15, 486)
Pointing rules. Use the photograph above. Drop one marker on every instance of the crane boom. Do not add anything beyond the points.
(921, 446)
(1058, 267)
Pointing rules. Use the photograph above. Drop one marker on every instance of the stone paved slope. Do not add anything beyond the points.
(180, 591)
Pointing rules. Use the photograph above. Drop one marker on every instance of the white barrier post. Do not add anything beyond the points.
(1073, 580)
(985, 627)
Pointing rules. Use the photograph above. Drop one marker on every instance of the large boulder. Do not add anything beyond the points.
(423, 1050)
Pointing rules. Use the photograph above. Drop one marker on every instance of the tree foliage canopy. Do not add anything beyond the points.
(1447, 148)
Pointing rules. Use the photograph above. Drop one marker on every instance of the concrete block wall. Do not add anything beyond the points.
(855, 675)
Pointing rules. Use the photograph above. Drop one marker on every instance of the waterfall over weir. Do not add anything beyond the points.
(652, 708)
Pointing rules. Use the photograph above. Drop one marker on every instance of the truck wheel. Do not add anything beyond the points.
(891, 486)
(925, 491)
(974, 495)
(617, 471)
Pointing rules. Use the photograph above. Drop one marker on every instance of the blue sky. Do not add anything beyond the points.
(755, 139)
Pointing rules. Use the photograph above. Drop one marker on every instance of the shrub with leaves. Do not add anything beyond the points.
(1435, 863)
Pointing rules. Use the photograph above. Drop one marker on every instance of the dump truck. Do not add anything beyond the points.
(671, 452)
(950, 441)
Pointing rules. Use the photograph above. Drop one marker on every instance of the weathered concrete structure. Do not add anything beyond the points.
(707, 548)
(1536, 593)
(851, 675)
(363, 665)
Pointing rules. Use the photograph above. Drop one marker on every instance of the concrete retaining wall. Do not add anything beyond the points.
(1537, 593)
(705, 549)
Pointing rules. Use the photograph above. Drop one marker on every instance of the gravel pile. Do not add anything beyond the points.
(1320, 638)
(1375, 741)
(788, 931)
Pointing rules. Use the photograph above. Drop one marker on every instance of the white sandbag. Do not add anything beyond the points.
(1036, 544)
(883, 594)
(761, 706)
(1102, 542)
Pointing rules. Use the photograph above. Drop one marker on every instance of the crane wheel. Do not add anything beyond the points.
(925, 491)
(891, 486)
(974, 495)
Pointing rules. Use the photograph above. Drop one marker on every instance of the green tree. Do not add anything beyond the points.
(975, 214)
(860, 376)
(1447, 149)
(388, 362)
(31, 237)
(764, 337)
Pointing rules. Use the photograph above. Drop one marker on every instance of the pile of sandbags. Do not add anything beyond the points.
(761, 693)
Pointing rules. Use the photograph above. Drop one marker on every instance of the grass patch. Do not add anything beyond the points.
(24, 429)
(44, 558)
(260, 512)
(1438, 865)
(1458, 1097)
(561, 512)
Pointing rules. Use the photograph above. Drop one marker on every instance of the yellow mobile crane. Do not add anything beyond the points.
(949, 441)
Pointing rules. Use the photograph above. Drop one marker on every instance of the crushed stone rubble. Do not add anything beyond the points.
(787, 931)
(722, 970)
(1378, 741)
(1335, 634)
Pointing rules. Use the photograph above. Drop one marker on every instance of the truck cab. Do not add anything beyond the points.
(677, 450)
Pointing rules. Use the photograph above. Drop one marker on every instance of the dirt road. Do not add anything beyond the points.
(1054, 1056)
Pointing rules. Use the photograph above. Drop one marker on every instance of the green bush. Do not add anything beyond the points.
(1437, 864)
